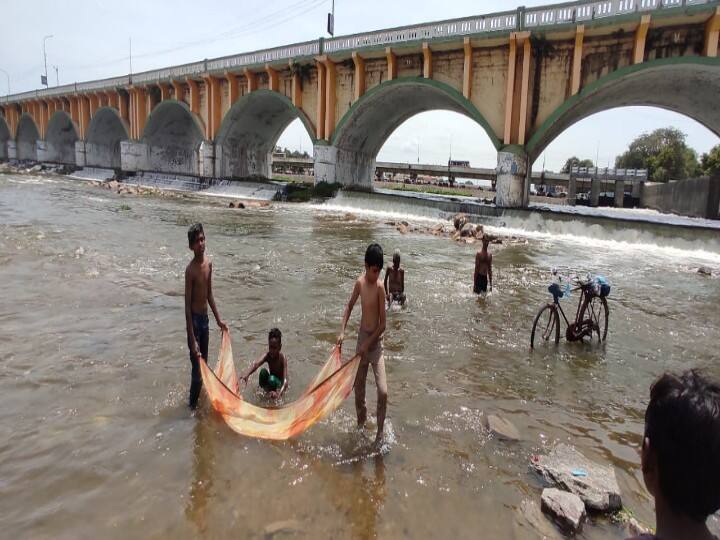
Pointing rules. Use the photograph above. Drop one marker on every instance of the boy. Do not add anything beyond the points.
(680, 455)
(198, 294)
(369, 343)
(275, 381)
(483, 268)
(396, 276)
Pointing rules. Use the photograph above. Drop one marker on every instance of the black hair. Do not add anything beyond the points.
(193, 232)
(682, 422)
(275, 333)
(374, 256)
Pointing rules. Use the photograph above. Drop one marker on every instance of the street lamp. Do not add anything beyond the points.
(45, 81)
(8, 82)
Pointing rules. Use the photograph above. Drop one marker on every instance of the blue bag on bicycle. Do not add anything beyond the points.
(602, 286)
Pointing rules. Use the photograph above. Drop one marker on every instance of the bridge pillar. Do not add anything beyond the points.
(512, 169)
(206, 160)
(595, 191)
(41, 150)
(619, 193)
(572, 191)
(11, 150)
(134, 156)
(80, 154)
(336, 165)
(636, 189)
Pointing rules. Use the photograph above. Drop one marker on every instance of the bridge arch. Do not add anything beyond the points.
(4, 138)
(26, 138)
(60, 139)
(250, 130)
(366, 126)
(686, 85)
(173, 135)
(102, 143)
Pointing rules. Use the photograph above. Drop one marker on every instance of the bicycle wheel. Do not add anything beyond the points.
(599, 314)
(546, 326)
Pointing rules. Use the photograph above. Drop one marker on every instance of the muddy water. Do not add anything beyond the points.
(96, 439)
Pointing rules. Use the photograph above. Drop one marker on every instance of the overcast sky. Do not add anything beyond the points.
(91, 40)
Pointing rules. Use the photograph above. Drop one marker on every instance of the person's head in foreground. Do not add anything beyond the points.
(681, 454)
(485, 240)
(274, 343)
(396, 259)
(196, 239)
(373, 262)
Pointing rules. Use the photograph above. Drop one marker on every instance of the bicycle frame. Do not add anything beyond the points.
(587, 295)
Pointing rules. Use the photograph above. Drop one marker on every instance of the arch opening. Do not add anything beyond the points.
(4, 138)
(250, 131)
(26, 139)
(60, 139)
(369, 123)
(102, 146)
(173, 136)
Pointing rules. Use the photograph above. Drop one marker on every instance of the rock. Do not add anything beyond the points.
(531, 515)
(405, 223)
(713, 524)
(402, 229)
(438, 229)
(635, 528)
(496, 241)
(112, 184)
(286, 525)
(467, 230)
(705, 271)
(470, 240)
(36, 168)
(567, 509)
(391, 223)
(350, 217)
(231, 205)
(459, 221)
(568, 469)
(502, 428)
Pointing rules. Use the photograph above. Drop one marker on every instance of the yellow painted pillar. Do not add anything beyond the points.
(194, 96)
(427, 61)
(524, 90)
(359, 75)
(94, 104)
(330, 97)
(113, 99)
(124, 106)
(233, 92)
(510, 92)
(179, 90)
(712, 34)
(577, 60)
(391, 64)
(84, 115)
(42, 122)
(296, 88)
(214, 106)
(273, 80)
(640, 37)
(320, 124)
(142, 112)
(164, 91)
(467, 68)
(251, 80)
(74, 114)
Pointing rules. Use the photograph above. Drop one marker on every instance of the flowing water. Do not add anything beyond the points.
(97, 441)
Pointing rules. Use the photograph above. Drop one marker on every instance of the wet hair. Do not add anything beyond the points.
(682, 422)
(275, 333)
(374, 256)
(396, 255)
(193, 232)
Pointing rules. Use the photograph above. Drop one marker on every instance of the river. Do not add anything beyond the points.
(97, 440)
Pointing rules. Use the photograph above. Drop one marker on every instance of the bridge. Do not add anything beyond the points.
(524, 75)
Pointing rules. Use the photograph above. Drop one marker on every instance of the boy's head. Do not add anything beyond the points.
(274, 342)
(396, 258)
(196, 238)
(485, 240)
(681, 447)
(373, 261)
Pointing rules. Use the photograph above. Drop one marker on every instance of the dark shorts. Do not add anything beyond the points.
(398, 297)
(201, 330)
(269, 382)
(481, 283)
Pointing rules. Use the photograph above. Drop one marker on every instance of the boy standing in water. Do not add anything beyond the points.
(198, 294)
(483, 268)
(680, 455)
(275, 381)
(369, 343)
(396, 278)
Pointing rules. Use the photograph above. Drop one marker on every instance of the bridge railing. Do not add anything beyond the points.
(519, 19)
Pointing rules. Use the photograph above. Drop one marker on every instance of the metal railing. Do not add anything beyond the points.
(520, 19)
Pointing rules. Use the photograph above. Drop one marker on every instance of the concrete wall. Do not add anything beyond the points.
(26, 139)
(59, 140)
(4, 138)
(102, 147)
(172, 138)
(698, 197)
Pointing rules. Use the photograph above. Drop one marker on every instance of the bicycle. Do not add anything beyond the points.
(591, 317)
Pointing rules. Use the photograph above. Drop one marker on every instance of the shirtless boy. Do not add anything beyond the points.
(198, 294)
(369, 342)
(395, 281)
(274, 381)
(483, 268)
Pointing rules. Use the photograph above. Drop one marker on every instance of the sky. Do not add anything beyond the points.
(91, 39)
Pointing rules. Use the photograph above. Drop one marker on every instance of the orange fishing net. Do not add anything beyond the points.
(324, 394)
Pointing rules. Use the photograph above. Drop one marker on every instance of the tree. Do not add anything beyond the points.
(663, 153)
(575, 162)
(710, 162)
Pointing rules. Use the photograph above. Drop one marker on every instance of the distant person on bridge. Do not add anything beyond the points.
(483, 268)
(395, 282)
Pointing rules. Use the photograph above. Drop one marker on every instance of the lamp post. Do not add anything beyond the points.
(8, 83)
(45, 58)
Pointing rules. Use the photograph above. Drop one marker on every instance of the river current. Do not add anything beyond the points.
(96, 440)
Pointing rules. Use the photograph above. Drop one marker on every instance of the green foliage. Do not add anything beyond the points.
(305, 193)
(663, 153)
(710, 162)
(576, 162)
(124, 207)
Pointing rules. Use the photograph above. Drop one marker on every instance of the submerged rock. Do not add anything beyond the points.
(287, 525)
(502, 428)
(530, 514)
(705, 271)
(567, 509)
(568, 469)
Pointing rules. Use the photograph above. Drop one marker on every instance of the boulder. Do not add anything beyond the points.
(568, 469)
(502, 428)
(567, 509)
(459, 221)
(705, 271)
(467, 230)
(36, 168)
(112, 184)
(438, 229)
(531, 515)
(713, 524)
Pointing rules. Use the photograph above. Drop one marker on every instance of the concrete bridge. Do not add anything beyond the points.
(524, 75)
